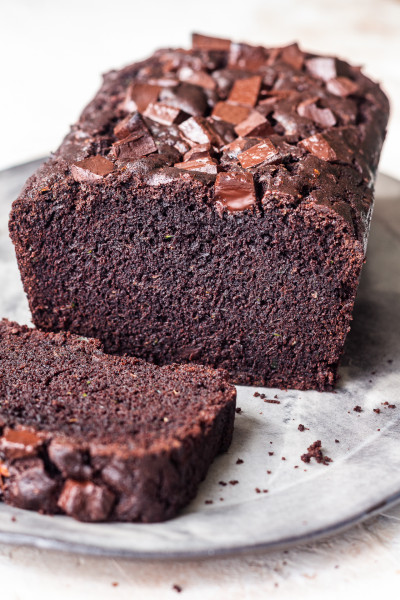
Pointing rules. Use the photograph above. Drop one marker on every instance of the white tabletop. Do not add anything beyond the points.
(52, 55)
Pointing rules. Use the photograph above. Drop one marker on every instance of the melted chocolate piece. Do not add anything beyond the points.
(86, 501)
(234, 191)
(92, 168)
(19, 443)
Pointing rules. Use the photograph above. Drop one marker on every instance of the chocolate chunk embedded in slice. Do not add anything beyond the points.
(100, 437)
(234, 191)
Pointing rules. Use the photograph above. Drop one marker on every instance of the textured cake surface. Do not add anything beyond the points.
(102, 437)
(211, 205)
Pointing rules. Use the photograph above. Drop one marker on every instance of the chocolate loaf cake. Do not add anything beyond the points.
(211, 205)
(101, 437)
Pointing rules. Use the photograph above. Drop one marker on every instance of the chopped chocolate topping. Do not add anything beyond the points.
(234, 191)
(207, 43)
(342, 86)
(319, 147)
(231, 113)
(92, 168)
(254, 126)
(140, 95)
(203, 165)
(322, 67)
(245, 91)
(257, 154)
(164, 114)
(134, 146)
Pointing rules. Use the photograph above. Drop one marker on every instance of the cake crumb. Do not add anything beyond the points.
(115, 584)
(238, 410)
(337, 442)
(357, 409)
(239, 461)
(269, 472)
(222, 483)
(233, 482)
(377, 410)
(302, 428)
(271, 453)
(208, 502)
(314, 451)
(177, 588)
(272, 401)
(283, 458)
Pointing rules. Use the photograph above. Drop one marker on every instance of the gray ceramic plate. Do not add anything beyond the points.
(301, 503)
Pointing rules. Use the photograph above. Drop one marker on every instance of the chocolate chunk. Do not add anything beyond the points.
(319, 147)
(234, 191)
(86, 501)
(257, 154)
(205, 42)
(231, 113)
(19, 443)
(191, 99)
(69, 459)
(237, 146)
(92, 168)
(131, 124)
(164, 114)
(199, 151)
(322, 67)
(342, 86)
(246, 57)
(334, 145)
(140, 95)
(30, 487)
(322, 116)
(224, 130)
(200, 131)
(245, 91)
(134, 146)
(255, 125)
(200, 78)
(293, 56)
(204, 164)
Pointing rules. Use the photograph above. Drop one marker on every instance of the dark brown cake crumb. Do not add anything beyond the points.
(233, 482)
(302, 428)
(391, 406)
(239, 461)
(271, 453)
(283, 458)
(269, 472)
(115, 584)
(256, 394)
(238, 410)
(377, 410)
(177, 588)
(357, 409)
(337, 442)
(208, 502)
(272, 401)
(258, 490)
(314, 451)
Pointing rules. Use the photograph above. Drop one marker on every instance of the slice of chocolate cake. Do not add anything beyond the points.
(211, 205)
(102, 437)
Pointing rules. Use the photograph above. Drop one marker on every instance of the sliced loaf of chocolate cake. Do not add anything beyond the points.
(102, 437)
(211, 205)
